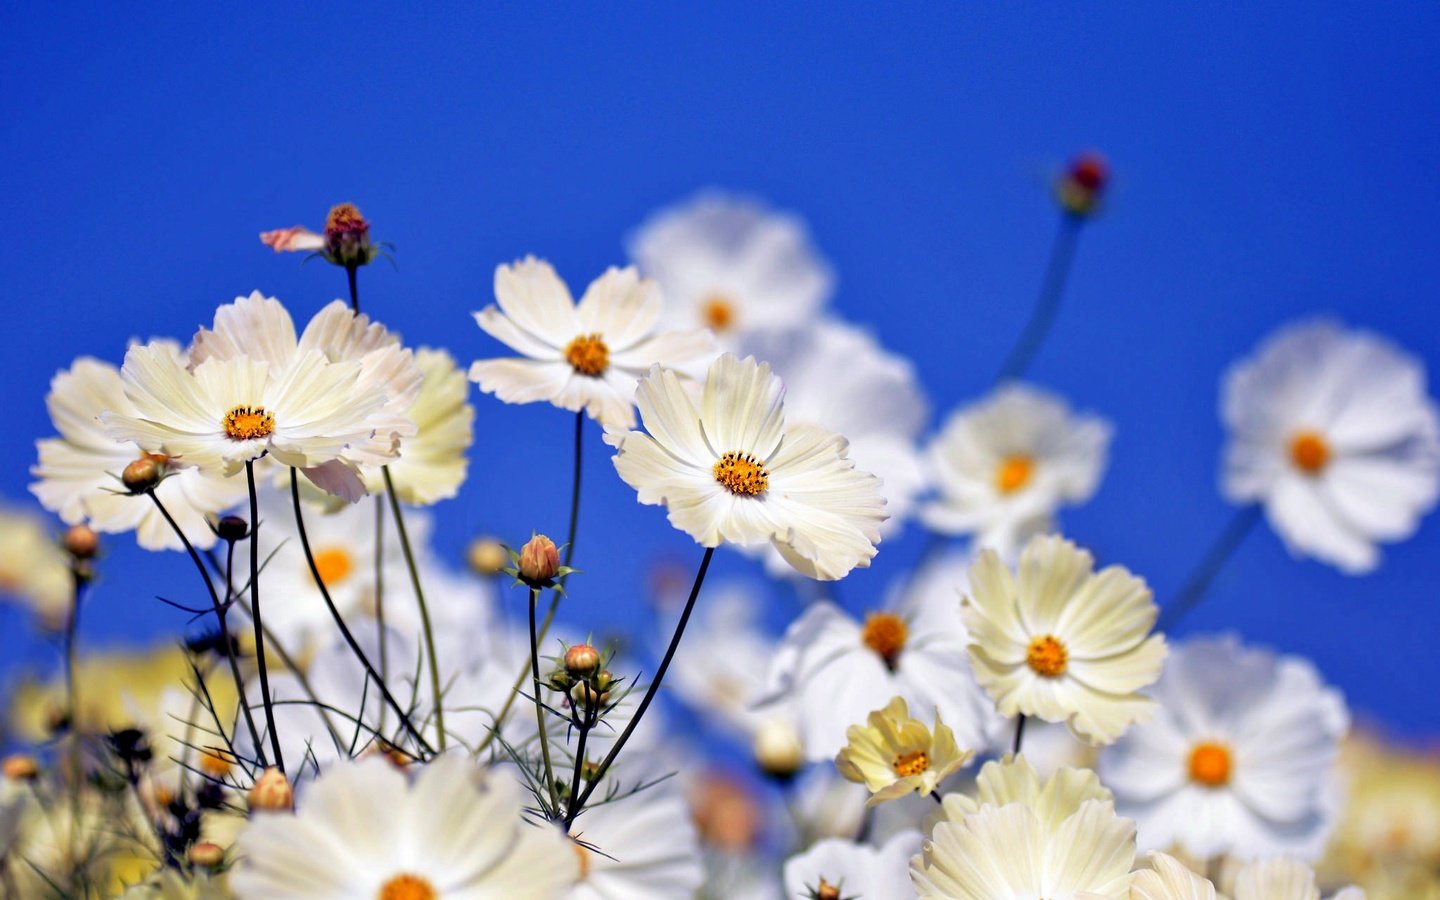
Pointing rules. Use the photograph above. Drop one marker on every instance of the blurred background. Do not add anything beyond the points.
(1270, 161)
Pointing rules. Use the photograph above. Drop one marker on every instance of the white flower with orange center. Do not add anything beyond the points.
(1004, 466)
(1240, 759)
(364, 831)
(835, 869)
(1014, 780)
(730, 265)
(1333, 431)
(79, 472)
(639, 846)
(731, 471)
(1062, 642)
(894, 755)
(586, 356)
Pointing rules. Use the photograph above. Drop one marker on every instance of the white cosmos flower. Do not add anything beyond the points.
(1283, 879)
(578, 356)
(433, 461)
(79, 471)
(731, 471)
(642, 846)
(1169, 879)
(1332, 430)
(1240, 759)
(1062, 642)
(1005, 465)
(363, 831)
(856, 870)
(731, 265)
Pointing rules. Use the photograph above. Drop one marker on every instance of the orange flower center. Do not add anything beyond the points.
(1013, 473)
(912, 763)
(246, 423)
(345, 218)
(718, 313)
(885, 633)
(334, 565)
(1210, 764)
(827, 891)
(1310, 452)
(742, 474)
(216, 763)
(588, 355)
(407, 887)
(1047, 656)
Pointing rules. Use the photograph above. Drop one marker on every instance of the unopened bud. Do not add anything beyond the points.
(486, 556)
(777, 748)
(561, 681)
(1080, 188)
(20, 767)
(81, 542)
(605, 680)
(582, 660)
(272, 792)
(590, 770)
(539, 561)
(205, 855)
(347, 236)
(141, 475)
(232, 528)
(584, 695)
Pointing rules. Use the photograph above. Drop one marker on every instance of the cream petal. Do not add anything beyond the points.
(535, 299)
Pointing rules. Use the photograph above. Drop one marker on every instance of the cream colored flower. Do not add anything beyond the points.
(1062, 642)
(1169, 879)
(852, 869)
(433, 461)
(731, 472)
(640, 846)
(586, 356)
(894, 755)
(1283, 879)
(1014, 780)
(33, 568)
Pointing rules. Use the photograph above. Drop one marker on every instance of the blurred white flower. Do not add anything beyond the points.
(730, 265)
(853, 870)
(33, 569)
(1332, 430)
(1240, 759)
(642, 846)
(731, 471)
(1283, 879)
(1169, 879)
(586, 356)
(1004, 466)
(433, 461)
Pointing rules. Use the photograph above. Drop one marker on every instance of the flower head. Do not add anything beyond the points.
(1081, 187)
(894, 755)
(835, 869)
(345, 241)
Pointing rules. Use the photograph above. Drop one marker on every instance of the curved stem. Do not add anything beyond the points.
(1019, 734)
(579, 805)
(1052, 290)
(424, 610)
(587, 722)
(520, 678)
(540, 703)
(255, 616)
(1198, 583)
(380, 595)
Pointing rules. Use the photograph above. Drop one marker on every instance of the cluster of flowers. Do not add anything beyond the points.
(1010, 723)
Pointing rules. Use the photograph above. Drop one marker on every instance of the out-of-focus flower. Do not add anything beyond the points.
(732, 472)
(433, 461)
(346, 241)
(894, 755)
(1240, 758)
(1081, 187)
(586, 356)
(1005, 465)
(1062, 642)
(640, 847)
(1332, 430)
(726, 812)
(296, 237)
(363, 831)
(1169, 879)
(33, 568)
(835, 869)
(732, 266)
(79, 472)
(170, 884)
(1282, 879)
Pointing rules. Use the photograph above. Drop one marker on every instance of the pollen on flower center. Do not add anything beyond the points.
(1210, 764)
(588, 355)
(885, 633)
(1013, 473)
(912, 763)
(334, 564)
(407, 887)
(1310, 452)
(1047, 656)
(246, 423)
(742, 474)
(718, 313)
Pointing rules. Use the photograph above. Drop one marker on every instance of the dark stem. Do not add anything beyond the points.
(255, 616)
(587, 721)
(540, 703)
(354, 289)
(380, 595)
(1019, 735)
(429, 632)
(1047, 305)
(574, 493)
(605, 764)
(1221, 549)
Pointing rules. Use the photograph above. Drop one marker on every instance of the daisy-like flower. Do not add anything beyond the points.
(1014, 780)
(1004, 466)
(79, 471)
(835, 868)
(732, 472)
(363, 831)
(346, 241)
(1169, 879)
(894, 755)
(642, 846)
(433, 461)
(1390, 822)
(1062, 642)
(578, 356)
(732, 266)
(1240, 758)
(33, 569)
(1283, 879)
(1332, 430)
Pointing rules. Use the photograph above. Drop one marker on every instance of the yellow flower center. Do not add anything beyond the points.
(827, 891)
(588, 355)
(1310, 452)
(216, 763)
(1013, 473)
(742, 474)
(1047, 656)
(334, 565)
(407, 887)
(1210, 764)
(885, 633)
(718, 313)
(912, 763)
(246, 423)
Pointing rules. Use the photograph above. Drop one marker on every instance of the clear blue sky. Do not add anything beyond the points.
(1272, 160)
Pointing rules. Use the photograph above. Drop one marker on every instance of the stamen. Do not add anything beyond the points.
(1210, 764)
(408, 887)
(246, 423)
(588, 355)
(885, 633)
(1047, 656)
(1310, 452)
(742, 474)
(912, 763)
(1013, 473)
(335, 565)
(718, 313)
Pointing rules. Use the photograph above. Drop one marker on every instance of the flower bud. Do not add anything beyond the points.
(20, 767)
(205, 855)
(582, 660)
(232, 528)
(347, 237)
(141, 475)
(539, 561)
(583, 695)
(605, 680)
(826, 891)
(561, 681)
(1080, 188)
(272, 792)
(777, 748)
(81, 542)
(486, 556)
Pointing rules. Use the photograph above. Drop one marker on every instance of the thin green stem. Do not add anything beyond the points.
(519, 678)
(354, 289)
(424, 609)
(540, 703)
(255, 616)
(587, 721)
(1047, 305)
(1200, 579)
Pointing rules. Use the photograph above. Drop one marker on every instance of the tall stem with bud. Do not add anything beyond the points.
(255, 616)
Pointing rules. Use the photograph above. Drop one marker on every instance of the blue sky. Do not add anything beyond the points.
(1272, 160)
